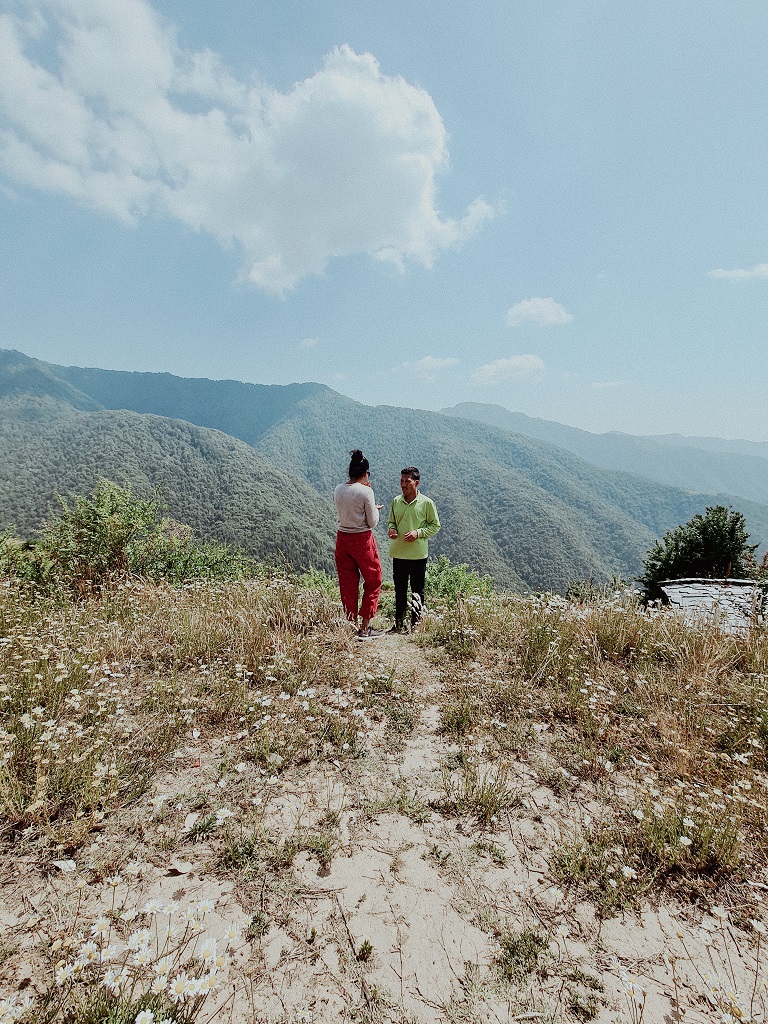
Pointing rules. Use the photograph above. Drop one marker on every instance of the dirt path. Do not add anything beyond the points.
(393, 909)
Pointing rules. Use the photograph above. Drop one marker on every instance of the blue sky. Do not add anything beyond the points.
(559, 207)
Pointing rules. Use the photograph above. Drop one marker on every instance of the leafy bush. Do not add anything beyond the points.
(110, 536)
(714, 545)
(14, 557)
(447, 582)
(318, 579)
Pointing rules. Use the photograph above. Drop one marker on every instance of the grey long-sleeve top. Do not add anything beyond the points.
(355, 507)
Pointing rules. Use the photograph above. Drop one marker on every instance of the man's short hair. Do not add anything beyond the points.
(412, 472)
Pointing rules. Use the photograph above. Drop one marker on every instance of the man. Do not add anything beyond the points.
(412, 521)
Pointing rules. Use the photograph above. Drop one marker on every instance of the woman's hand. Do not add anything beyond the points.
(392, 533)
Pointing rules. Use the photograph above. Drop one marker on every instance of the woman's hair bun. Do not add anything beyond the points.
(358, 464)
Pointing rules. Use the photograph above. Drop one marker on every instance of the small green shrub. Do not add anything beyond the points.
(446, 582)
(482, 792)
(460, 716)
(317, 579)
(400, 801)
(110, 536)
(365, 952)
(519, 954)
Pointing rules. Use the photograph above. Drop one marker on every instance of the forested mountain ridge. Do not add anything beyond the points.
(707, 465)
(245, 411)
(20, 375)
(526, 512)
(214, 483)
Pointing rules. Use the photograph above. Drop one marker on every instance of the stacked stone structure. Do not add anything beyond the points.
(730, 605)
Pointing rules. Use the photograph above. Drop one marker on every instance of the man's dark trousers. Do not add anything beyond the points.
(403, 571)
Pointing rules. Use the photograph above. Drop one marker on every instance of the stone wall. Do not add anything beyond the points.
(731, 605)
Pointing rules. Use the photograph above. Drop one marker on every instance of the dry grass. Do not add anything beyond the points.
(96, 694)
(674, 719)
(650, 736)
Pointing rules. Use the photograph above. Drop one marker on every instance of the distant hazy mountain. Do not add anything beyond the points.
(527, 512)
(759, 449)
(706, 464)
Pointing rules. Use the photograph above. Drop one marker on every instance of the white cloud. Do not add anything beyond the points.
(545, 312)
(760, 270)
(429, 366)
(607, 385)
(121, 119)
(307, 343)
(513, 368)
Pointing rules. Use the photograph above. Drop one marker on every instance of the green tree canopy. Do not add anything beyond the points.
(714, 545)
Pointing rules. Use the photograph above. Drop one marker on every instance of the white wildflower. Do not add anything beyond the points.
(179, 988)
(142, 957)
(88, 954)
(138, 940)
(100, 926)
(163, 967)
(64, 973)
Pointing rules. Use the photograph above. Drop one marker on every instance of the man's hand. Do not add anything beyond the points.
(412, 535)
(392, 533)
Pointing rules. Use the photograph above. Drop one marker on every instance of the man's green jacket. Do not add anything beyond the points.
(420, 515)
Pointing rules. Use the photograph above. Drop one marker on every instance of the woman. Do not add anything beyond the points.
(356, 551)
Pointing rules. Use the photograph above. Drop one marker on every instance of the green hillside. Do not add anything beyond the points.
(543, 513)
(528, 513)
(219, 486)
(707, 465)
(520, 509)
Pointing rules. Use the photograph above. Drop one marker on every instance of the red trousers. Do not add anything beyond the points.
(356, 556)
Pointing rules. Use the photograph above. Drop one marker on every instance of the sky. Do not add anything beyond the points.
(558, 207)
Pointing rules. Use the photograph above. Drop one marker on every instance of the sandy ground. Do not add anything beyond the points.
(403, 923)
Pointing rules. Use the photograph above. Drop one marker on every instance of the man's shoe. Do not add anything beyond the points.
(369, 634)
(397, 627)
